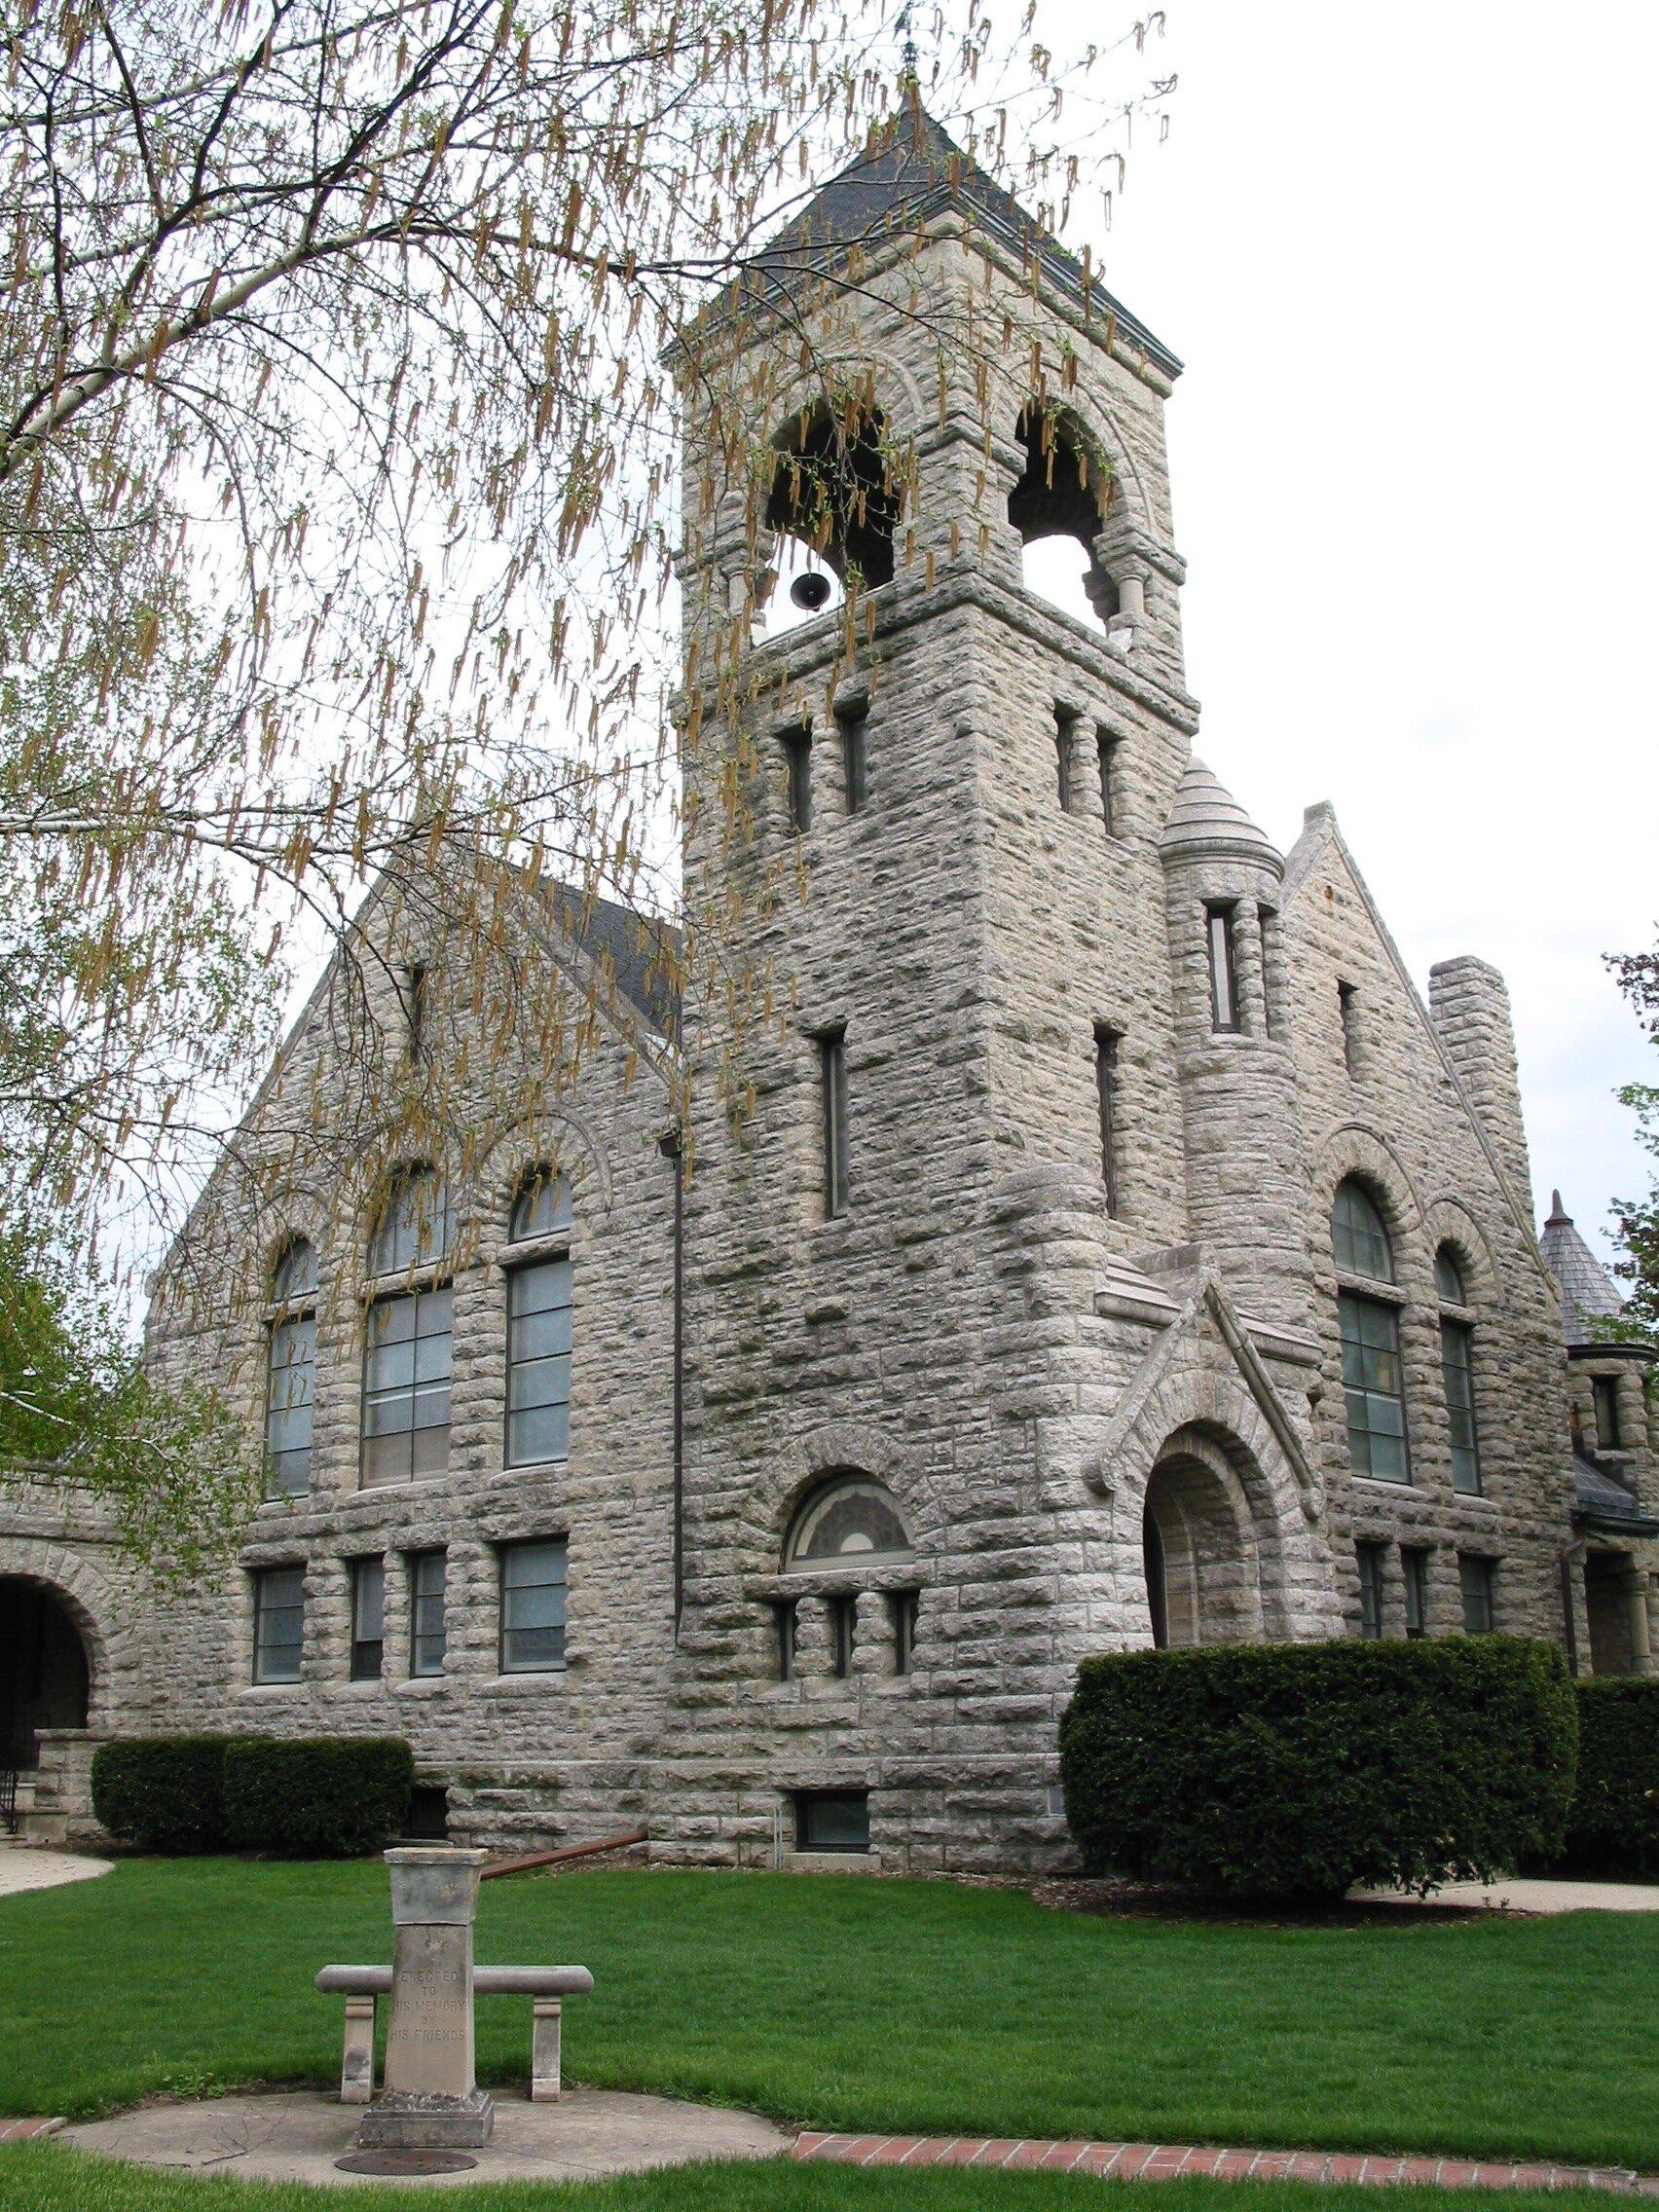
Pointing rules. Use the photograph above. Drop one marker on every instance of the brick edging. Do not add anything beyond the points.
(1163, 2162)
(27, 2130)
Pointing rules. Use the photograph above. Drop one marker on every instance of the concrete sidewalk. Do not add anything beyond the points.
(23, 1867)
(1524, 1894)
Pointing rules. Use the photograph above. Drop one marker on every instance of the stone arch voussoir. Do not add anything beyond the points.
(90, 1597)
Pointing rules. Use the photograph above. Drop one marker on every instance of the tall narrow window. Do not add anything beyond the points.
(906, 1608)
(1373, 1388)
(427, 1634)
(1106, 1043)
(291, 1373)
(1107, 746)
(1458, 1376)
(797, 753)
(854, 767)
(406, 1387)
(1475, 1577)
(784, 1633)
(1610, 1429)
(1413, 1567)
(414, 1008)
(532, 1607)
(278, 1623)
(1370, 1557)
(368, 1618)
(832, 1086)
(843, 1619)
(1347, 1014)
(1223, 970)
(1065, 744)
(539, 1311)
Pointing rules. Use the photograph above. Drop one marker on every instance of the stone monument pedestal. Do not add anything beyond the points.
(432, 2099)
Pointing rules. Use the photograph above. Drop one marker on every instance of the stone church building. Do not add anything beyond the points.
(1115, 1248)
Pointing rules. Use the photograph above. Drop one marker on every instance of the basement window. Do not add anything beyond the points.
(831, 1820)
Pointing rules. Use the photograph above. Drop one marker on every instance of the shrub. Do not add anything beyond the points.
(164, 1793)
(318, 1798)
(1298, 1770)
(1613, 1825)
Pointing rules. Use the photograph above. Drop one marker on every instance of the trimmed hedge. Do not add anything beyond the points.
(316, 1798)
(163, 1792)
(307, 1798)
(1614, 1827)
(1298, 1770)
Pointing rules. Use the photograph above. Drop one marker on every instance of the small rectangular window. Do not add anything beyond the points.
(783, 1636)
(832, 1084)
(1107, 1040)
(843, 1623)
(533, 1607)
(797, 752)
(1347, 1015)
(291, 1386)
(1457, 1373)
(1222, 969)
(1373, 1388)
(854, 767)
(1370, 1559)
(1108, 748)
(427, 1635)
(278, 1623)
(831, 1820)
(1065, 744)
(1610, 1429)
(1414, 1567)
(539, 1363)
(368, 1618)
(906, 1608)
(1476, 1576)
(414, 1008)
(1267, 924)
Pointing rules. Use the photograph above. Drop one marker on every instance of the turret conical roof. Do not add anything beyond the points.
(1587, 1289)
(1206, 818)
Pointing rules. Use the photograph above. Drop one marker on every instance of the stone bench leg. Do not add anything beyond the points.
(544, 2050)
(358, 2065)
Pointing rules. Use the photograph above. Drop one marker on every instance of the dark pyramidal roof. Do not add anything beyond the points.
(912, 170)
(1587, 1290)
(638, 952)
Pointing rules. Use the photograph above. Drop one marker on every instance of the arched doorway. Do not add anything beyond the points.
(45, 1678)
(1199, 1546)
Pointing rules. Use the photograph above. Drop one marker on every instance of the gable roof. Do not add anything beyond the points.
(912, 170)
(1586, 1292)
(638, 952)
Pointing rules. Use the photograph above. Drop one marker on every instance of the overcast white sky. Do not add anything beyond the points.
(1408, 254)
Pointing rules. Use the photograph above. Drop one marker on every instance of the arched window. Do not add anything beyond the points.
(290, 1383)
(851, 1522)
(1373, 1379)
(1457, 1374)
(414, 1226)
(541, 1294)
(410, 1341)
(1358, 1238)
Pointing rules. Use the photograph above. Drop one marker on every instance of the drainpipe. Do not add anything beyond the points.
(1569, 1556)
(672, 1148)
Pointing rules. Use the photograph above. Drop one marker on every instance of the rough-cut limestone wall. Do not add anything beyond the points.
(536, 1756)
(1399, 1122)
(1468, 1003)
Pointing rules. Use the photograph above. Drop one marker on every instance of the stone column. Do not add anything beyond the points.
(1640, 1647)
(431, 2098)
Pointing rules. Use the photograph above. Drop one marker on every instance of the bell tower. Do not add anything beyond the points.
(935, 1112)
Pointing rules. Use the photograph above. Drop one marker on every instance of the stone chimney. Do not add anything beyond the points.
(1469, 1003)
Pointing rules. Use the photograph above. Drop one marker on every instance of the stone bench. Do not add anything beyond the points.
(363, 1987)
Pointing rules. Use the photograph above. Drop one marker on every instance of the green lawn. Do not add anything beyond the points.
(50, 2179)
(915, 2006)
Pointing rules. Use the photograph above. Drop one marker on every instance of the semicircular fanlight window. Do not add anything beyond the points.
(853, 1522)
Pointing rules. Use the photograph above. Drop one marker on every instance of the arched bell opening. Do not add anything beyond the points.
(833, 508)
(1199, 1547)
(45, 1671)
(1059, 508)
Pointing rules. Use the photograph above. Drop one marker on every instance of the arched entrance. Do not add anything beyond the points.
(45, 1678)
(1202, 1565)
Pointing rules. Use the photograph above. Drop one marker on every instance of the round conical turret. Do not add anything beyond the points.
(1207, 819)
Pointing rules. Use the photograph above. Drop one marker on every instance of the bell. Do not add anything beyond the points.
(810, 591)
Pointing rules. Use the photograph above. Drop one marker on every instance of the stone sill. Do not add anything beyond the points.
(544, 1681)
(830, 1862)
(266, 1691)
(423, 1685)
